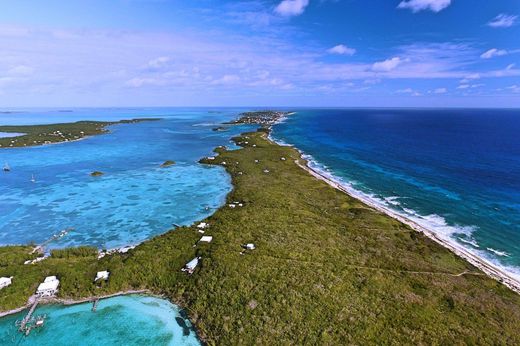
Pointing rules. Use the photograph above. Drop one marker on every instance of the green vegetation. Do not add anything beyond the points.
(168, 163)
(327, 269)
(56, 133)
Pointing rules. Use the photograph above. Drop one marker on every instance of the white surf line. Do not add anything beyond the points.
(486, 266)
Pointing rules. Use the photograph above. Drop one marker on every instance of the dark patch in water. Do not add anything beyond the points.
(182, 323)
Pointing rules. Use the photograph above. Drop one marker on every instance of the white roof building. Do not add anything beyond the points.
(191, 265)
(103, 275)
(5, 281)
(250, 246)
(48, 287)
(202, 225)
(206, 239)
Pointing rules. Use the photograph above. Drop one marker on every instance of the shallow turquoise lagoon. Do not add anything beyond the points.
(124, 320)
(135, 199)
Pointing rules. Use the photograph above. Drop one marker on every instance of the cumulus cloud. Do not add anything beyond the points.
(420, 5)
(387, 65)
(440, 91)
(493, 53)
(503, 21)
(289, 8)
(341, 49)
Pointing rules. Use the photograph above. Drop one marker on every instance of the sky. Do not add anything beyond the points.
(312, 53)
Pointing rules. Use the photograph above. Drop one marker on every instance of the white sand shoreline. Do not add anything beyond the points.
(483, 264)
(489, 268)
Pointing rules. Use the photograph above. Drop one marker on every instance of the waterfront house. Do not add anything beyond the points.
(206, 239)
(5, 281)
(191, 265)
(102, 275)
(49, 287)
(202, 225)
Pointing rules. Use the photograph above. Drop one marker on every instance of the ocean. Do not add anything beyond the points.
(454, 171)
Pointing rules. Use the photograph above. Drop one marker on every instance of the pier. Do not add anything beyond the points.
(28, 323)
(95, 304)
(27, 318)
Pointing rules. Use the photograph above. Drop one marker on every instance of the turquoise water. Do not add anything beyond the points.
(124, 320)
(454, 171)
(135, 199)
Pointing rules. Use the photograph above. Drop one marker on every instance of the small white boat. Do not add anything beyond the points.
(33, 179)
(6, 167)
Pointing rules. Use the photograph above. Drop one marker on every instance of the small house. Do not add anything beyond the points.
(206, 239)
(102, 275)
(202, 225)
(250, 246)
(5, 281)
(191, 265)
(49, 287)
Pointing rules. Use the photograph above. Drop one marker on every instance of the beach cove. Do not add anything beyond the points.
(350, 266)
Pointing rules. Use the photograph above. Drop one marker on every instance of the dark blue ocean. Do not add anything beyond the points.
(455, 171)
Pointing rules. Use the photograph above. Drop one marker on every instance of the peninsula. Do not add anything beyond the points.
(290, 259)
(33, 135)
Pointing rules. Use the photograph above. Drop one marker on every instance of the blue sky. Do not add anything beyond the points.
(327, 53)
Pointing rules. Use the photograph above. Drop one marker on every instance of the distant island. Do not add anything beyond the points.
(33, 135)
(288, 259)
(263, 118)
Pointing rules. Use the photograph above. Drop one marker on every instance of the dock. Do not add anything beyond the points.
(27, 318)
(29, 323)
(95, 304)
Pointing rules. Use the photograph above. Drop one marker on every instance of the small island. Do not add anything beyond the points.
(33, 135)
(167, 163)
(96, 174)
(263, 118)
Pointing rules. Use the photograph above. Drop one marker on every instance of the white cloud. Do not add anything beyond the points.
(503, 21)
(469, 86)
(158, 62)
(20, 70)
(289, 8)
(341, 49)
(420, 5)
(227, 79)
(493, 53)
(387, 65)
(139, 82)
(405, 91)
(514, 88)
(440, 91)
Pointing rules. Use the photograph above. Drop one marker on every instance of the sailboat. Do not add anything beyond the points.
(6, 167)
(32, 178)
